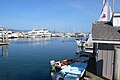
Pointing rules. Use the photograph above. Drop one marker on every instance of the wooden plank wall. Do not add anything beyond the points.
(104, 58)
(117, 64)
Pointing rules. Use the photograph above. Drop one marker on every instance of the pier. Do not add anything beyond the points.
(4, 37)
(91, 70)
(91, 76)
(3, 43)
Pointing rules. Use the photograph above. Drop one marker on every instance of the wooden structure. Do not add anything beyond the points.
(4, 37)
(106, 39)
(105, 60)
(117, 64)
(91, 76)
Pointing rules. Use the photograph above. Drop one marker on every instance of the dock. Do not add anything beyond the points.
(2, 43)
(91, 69)
(91, 76)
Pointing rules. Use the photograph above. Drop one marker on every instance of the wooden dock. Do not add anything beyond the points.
(4, 38)
(91, 70)
(91, 76)
(1, 43)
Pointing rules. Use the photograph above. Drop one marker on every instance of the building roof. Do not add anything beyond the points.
(102, 31)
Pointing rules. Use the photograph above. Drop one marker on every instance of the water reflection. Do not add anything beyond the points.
(80, 51)
(33, 41)
(27, 61)
(40, 41)
(4, 50)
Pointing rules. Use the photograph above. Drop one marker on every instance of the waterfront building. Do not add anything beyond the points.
(78, 34)
(24, 35)
(10, 34)
(16, 35)
(106, 39)
(69, 35)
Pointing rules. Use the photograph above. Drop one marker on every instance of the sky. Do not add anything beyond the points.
(54, 15)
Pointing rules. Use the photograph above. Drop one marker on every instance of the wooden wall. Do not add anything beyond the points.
(117, 64)
(105, 59)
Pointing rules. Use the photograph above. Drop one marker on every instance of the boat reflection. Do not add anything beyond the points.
(33, 41)
(40, 41)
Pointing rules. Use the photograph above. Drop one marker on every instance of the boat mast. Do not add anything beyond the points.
(103, 2)
(112, 5)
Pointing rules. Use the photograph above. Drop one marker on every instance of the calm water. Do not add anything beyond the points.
(28, 59)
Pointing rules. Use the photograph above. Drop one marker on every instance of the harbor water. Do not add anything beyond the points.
(28, 59)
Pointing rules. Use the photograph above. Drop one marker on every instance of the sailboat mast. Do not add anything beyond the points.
(112, 5)
(103, 2)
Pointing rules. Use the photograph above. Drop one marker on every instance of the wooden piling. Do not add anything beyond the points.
(6, 36)
(117, 64)
(2, 50)
(2, 36)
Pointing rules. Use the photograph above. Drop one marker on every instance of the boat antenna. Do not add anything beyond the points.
(112, 5)
(104, 2)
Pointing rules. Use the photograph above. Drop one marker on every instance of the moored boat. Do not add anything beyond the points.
(69, 69)
(38, 33)
(86, 43)
(74, 71)
(80, 42)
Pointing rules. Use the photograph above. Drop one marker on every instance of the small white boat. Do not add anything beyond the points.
(64, 63)
(68, 69)
(80, 42)
(86, 43)
(74, 71)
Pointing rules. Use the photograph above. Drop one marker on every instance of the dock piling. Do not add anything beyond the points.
(2, 36)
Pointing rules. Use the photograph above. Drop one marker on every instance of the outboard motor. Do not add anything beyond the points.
(52, 63)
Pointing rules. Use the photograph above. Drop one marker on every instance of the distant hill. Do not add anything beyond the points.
(15, 30)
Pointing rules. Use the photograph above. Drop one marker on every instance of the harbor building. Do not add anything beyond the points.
(106, 40)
